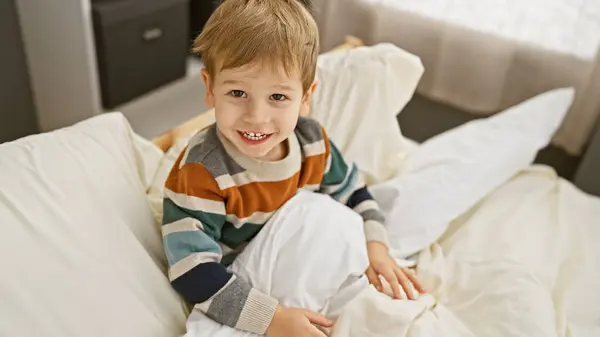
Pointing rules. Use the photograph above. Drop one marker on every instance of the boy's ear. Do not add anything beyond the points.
(311, 90)
(209, 99)
(305, 107)
(313, 87)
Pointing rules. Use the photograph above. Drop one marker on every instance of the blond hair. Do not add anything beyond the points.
(278, 33)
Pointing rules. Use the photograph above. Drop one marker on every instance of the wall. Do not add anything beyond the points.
(588, 174)
(17, 111)
(58, 38)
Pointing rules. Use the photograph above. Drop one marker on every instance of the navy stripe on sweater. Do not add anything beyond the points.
(360, 195)
(213, 275)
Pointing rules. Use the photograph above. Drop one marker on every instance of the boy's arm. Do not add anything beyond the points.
(343, 182)
(194, 215)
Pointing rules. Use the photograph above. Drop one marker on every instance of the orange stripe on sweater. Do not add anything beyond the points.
(244, 200)
(313, 169)
(193, 180)
(264, 196)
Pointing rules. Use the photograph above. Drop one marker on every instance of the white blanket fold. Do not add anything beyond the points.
(506, 268)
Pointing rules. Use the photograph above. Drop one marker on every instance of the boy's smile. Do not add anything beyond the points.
(254, 138)
(257, 107)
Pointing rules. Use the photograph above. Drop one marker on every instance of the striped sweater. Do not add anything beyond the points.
(216, 200)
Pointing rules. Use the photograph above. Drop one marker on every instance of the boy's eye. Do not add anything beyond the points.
(278, 97)
(238, 93)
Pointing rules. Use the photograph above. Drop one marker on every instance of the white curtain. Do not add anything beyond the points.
(486, 55)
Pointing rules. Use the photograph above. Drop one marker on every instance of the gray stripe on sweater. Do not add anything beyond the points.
(308, 131)
(226, 307)
(373, 214)
(212, 155)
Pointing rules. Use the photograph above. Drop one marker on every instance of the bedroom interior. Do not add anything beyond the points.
(156, 101)
(81, 186)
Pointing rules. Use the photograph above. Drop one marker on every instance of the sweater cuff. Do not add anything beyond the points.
(375, 231)
(257, 313)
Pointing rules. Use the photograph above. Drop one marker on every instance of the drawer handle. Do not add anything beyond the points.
(152, 34)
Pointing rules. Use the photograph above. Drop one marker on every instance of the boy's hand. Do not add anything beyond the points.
(289, 322)
(381, 263)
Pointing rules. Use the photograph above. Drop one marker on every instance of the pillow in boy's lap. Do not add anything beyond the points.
(311, 254)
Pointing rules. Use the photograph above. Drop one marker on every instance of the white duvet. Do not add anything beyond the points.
(509, 267)
(521, 263)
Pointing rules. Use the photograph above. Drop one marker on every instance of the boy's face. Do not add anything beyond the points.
(257, 108)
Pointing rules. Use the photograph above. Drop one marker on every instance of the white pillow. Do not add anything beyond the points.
(79, 251)
(148, 157)
(314, 225)
(450, 173)
(360, 93)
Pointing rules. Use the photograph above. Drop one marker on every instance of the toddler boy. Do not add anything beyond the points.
(260, 60)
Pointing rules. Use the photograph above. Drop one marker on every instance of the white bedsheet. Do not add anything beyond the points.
(524, 262)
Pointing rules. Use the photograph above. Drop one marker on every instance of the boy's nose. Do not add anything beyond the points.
(256, 113)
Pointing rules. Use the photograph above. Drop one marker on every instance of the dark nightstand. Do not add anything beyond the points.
(140, 45)
(587, 177)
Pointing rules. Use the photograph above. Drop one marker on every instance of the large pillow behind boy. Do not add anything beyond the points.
(360, 93)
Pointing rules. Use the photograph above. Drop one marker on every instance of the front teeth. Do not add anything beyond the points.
(254, 135)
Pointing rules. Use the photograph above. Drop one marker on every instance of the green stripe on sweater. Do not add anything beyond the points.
(212, 223)
(338, 170)
(347, 186)
(233, 237)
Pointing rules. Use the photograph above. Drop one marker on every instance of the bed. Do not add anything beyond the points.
(519, 260)
(505, 248)
(484, 56)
